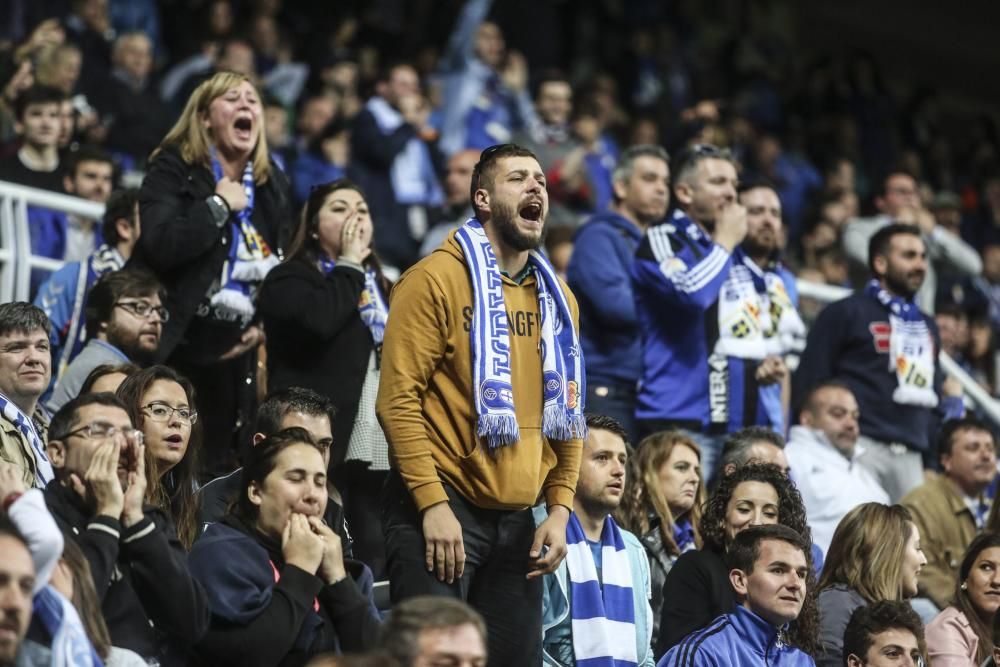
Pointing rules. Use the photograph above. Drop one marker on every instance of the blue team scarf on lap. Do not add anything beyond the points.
(562, 359)
(602, 610)
(372, 307)
(249, 258)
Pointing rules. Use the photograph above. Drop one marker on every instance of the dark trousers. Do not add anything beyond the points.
(361, 489)
(494, 583)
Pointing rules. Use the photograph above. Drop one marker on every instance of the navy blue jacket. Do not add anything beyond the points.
(850, 342)
(739, 639)
(600, 275)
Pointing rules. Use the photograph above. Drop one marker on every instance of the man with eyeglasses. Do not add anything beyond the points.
(124, 317)
(148, 598)
(25, 367)
(678, 276)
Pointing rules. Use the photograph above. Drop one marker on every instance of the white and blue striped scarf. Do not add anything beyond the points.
(372, 307)
(249, 259)
(70, 645)
(602, 611)
(13, 414)
(562, 359)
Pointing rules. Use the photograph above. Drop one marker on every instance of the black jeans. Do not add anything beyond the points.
(496, 561)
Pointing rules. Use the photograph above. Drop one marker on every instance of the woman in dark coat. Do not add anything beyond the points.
(325, 310)
(215, 214)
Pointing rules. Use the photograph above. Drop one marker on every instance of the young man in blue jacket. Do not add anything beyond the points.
(600, 275)
(768, 572)
(595, 606)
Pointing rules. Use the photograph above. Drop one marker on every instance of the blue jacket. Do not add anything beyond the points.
(678, 273)
(850, 342)
(600, 275)
(737, 639)
(555, 600)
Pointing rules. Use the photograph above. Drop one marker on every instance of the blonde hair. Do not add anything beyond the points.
(644, 493)
(866, 553)
(192, 138)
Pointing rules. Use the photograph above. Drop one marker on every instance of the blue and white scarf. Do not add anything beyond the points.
(249, 259)
(372, 306)
(70, 645)
(911, 349)
(563, 381)
(602, 610)
(24, 424)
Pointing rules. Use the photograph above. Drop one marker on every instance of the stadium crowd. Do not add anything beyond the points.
(398, 345)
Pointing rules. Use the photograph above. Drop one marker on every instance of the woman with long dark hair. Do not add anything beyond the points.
(697, 588)
(325, 310)
(161, 404)
(962, 634)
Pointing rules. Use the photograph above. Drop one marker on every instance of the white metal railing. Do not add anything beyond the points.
(16, 260)
(989, 405)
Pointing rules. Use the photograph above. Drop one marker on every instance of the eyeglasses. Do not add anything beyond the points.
(96, 430)
(696, 152)
(161, 412)
(144, 309)
(484, 157)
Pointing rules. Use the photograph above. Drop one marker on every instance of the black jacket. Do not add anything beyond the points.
(181, 244)
(696, 590)
(316, 339)
(257, 622)
(150, 601)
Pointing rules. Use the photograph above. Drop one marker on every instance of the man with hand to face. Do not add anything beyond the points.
(481, 402)
(149, 600)
(769, 571)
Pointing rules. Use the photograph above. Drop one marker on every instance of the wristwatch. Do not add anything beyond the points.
(219, 208)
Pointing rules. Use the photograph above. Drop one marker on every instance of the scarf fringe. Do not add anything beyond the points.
(560, 424)
(233, 301)
(498, 430)
(253, 270)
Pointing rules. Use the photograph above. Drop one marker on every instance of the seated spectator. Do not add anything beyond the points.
(662, 503)
(697, 588)
(106, 378)
(953, 506)
(431, 630)
(456, 209)
(125, 317)
(769, 571)
(324, 309)
(886, 633)
(757, 444)
(36, 163)
(279, 587)
(215, 211)
(822, 455)
(595, 606)
(64, 294)
(150, 601)
(875, 555)
(281, 409)
(24, 375)
(161, 404)
(17, 579)
(962, 634)
(73, 581)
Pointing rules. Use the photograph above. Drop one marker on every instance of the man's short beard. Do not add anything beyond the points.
(132, 346)
(755, 249)
(897, 285)
(503, 220)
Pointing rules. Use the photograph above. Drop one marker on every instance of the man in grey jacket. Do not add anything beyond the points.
(899, 201)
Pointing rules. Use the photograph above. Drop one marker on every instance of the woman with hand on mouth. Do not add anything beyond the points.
(278, 585)
(664, 494)
(161, 404)
(962, 634)
(697, 589)
(325, 310)
(215, 216)
(875, 555)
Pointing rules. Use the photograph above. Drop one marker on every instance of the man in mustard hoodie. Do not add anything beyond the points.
(481, 402)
